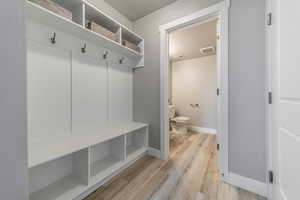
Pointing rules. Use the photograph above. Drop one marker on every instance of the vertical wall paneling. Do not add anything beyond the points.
(48, 94)
(121, 93)
(89, 94)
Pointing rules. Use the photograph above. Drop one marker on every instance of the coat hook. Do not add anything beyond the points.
(121, 60)
(53, 38)
(105, 55)
(83, 49)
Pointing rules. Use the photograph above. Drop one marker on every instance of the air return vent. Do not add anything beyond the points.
(208, 50)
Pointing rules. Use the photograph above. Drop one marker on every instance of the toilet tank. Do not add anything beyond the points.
(171, 111)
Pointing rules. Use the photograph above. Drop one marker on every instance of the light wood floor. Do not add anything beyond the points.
(190, 174)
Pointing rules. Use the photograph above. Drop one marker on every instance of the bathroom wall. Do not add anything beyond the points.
(246, 77)
(13, 142)
(194, 81)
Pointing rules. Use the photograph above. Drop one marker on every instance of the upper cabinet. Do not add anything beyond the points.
(85, 21)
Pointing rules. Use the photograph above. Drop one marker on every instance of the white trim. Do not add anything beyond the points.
(271, 85)
(203, 130)
(193, 18)
(154, 152)
(220, 11)
(248, 184)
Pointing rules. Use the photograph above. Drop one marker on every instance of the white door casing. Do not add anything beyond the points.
(219, 11)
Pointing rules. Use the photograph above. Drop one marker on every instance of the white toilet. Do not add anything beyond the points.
(179, 123)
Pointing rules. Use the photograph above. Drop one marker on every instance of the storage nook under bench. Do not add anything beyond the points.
(79, 100)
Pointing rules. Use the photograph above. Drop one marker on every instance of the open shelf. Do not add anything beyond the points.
(46, 17)
(136, 141)
(105, 156)
(133, 39)
(74, 7)
(93, 14)
(66, 188)
(60, 146)
(60, 179)
(131, 36)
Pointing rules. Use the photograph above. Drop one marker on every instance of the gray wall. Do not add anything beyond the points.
(246, 135)
(112, 12)
(246, 89)
(194, 81)
(13, 152)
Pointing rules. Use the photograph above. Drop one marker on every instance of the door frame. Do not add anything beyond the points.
(219, 11)
(272, 61)
(269, 107)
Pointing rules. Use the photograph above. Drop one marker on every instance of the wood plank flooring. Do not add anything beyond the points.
(190, 174)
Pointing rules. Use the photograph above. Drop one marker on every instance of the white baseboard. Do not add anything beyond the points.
(154, 152)
(203, 130)
(248, 184)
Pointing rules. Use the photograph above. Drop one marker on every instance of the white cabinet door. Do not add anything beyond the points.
(120, 93)
(48, 91)
(287, 133)
(89, 95)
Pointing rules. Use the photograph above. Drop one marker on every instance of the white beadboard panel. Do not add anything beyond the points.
(289, 112)
(89, 94)
(289, 164)
(120, 93)
(48, 94)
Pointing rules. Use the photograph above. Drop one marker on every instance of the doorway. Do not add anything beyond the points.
(219, 12)
(193, 81)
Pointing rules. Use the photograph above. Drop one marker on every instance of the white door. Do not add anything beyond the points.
(286, 133)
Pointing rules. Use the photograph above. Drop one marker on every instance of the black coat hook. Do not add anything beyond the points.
(83, 49)
(104, 56)
(121, 60)
(53, 38)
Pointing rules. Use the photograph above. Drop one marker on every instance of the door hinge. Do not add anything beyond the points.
(271, 177)
(270, 97)
(218, 147)
(218, 91)
(269, 20)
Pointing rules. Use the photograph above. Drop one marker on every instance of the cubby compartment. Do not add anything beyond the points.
(101, 24)
(60, 179)
(132, 41)
(106, 156)
(68, 9)
(136, 141)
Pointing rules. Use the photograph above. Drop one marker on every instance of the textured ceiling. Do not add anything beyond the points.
(186, 43)
(135, 9)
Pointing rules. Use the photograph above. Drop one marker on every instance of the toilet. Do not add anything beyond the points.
(178, 123)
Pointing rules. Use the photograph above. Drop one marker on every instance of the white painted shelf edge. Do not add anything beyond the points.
(47, 17)
(43, 151)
